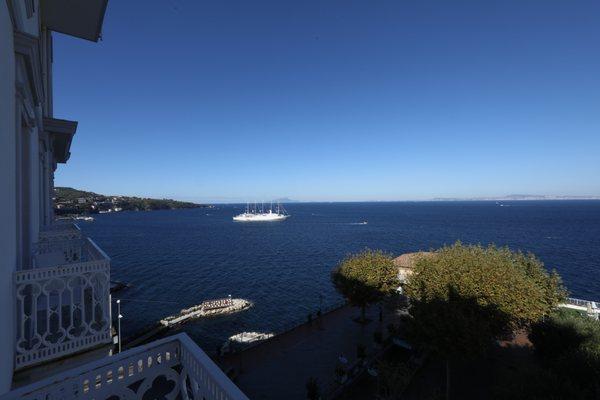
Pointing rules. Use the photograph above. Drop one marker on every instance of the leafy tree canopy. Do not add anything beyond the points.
(366, 277)
(465, 296)
(568, 344)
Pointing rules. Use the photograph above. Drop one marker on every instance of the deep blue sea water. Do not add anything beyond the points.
(178, 258)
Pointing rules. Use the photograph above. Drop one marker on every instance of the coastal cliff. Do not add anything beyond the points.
(69, 201)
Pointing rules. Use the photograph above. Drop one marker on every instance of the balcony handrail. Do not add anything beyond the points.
(572, 300)
(96, 251)
(60, 229)
(110, 374)
(90, 264)
(66, 251)
(73, 294)
(60, 226)
(193, 357)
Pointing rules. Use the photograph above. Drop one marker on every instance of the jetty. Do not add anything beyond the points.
(207, 308)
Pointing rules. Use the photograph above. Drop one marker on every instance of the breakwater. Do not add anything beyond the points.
(207, 309)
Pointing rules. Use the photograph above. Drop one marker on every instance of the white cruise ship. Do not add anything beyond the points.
(262, 215)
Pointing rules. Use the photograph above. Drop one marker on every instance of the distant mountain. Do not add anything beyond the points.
(517, 197)
(285, 200)
(68, 201)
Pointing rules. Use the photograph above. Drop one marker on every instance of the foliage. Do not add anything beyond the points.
(361, 351)
(366, 277)
(393, 379)
(538, 384)
(68, 194)
(568, 345)
(392, 329)
(378, 337)
(68, 198)
(464, 297)
(339, 371)
(312, 389)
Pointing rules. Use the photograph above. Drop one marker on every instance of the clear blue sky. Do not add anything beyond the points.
(334, 100)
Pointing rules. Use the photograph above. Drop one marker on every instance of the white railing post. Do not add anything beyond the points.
(59, 295)
(132, 373)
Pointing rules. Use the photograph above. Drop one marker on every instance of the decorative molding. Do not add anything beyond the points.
(24, 99)
(101, 22)
(82, 19)
(171, 368)
(12, 12)
(30, 8)
(65, 308)
(27, 46)
(60, 126)
(61, 133)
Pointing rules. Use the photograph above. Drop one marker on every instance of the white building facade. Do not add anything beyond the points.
(55, 304)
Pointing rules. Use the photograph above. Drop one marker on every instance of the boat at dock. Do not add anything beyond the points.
(207, 309)
(84, 218)
(254, 214)
(244, 339)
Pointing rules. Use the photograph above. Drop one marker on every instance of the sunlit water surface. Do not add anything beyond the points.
(175, 259)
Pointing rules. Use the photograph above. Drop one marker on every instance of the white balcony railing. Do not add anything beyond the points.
(61, 230)
(173, 367)
(582, 303)
(58, 244)
(64, 306)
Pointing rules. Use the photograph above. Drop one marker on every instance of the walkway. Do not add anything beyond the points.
(280, 367)
(590, 307)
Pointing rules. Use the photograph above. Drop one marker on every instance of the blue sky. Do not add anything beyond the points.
(334, 100)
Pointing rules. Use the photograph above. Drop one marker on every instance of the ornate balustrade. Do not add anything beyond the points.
(64, 307)
(173, 367)
(590, 307)
(59, 243)
(60, 231)
(582, 303)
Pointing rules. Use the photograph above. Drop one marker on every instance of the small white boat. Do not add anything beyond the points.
(243, 339)
(84, 218)
(255, 215)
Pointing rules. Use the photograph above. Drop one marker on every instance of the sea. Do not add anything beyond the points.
(175, 259)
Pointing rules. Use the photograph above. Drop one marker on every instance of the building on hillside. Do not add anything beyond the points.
(56, 340)
(406, 264)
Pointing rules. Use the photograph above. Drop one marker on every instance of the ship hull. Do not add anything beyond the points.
(266, 217)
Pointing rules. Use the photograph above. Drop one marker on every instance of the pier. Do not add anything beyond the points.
(206, 309)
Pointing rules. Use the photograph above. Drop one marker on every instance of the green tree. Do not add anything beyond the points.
(365, 278)
(463, 298)
(312, 389)
(568, 345)
(393, 378)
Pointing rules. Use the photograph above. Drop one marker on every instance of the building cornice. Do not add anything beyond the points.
(28, 47)
(82, 19)
(61, 133)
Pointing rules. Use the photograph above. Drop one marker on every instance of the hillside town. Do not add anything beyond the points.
(69, 202)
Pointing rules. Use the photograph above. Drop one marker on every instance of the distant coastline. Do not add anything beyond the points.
(74, 202)
(517, 197)
(445, 199)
